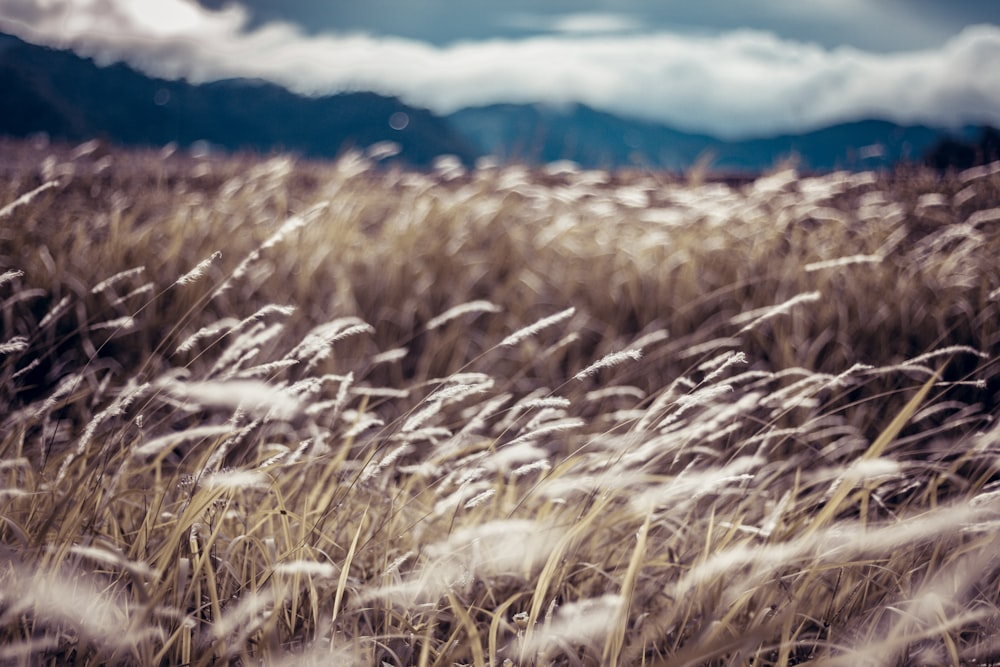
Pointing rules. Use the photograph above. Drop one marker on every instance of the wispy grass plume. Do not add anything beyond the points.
(756, 318)
(607, 361)
(9, 275)
(455, 312)
(27, 197)
(198, 271)
(527, 332)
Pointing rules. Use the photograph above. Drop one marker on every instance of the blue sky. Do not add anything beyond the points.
(729, 67)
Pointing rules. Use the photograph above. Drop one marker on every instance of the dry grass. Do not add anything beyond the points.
(268, 411)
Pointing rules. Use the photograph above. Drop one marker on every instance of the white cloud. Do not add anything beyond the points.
(576, 23)
(737, 83)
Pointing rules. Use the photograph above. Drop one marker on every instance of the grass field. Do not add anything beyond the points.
(267, 411)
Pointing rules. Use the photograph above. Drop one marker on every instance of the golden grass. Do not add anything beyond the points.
(273, 411)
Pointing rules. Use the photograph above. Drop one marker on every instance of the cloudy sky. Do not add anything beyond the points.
(730, 67)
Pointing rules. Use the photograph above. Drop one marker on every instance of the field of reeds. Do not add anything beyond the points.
(267, 411)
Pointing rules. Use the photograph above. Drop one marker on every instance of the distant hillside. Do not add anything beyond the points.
(958, 153)
(68, 97)
(543, 133)
(71, 98)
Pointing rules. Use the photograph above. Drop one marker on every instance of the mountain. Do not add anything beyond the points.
(865, 144)
(540, 133)
(963, 153)
(71, 98)
(544, 133)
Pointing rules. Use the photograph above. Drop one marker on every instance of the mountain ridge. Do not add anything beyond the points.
(543, 133)
(71, 98)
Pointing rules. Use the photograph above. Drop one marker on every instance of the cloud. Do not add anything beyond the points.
(576, 23)
(738, 83)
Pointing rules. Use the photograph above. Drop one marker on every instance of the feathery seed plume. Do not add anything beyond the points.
(198, 271)
(730, 360)
(142, 289)
(462, 309)
(157, 445)
(55, 313)
(551, 427)
(7, 276)
(532, 329)
(479, 499)
(219, 328)
(309, 568)
(117, 278)
(26, 198)
(390, 355)
(15, 344)
(842, 261)
(758, 317)
(235, 479)
(607, 361)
